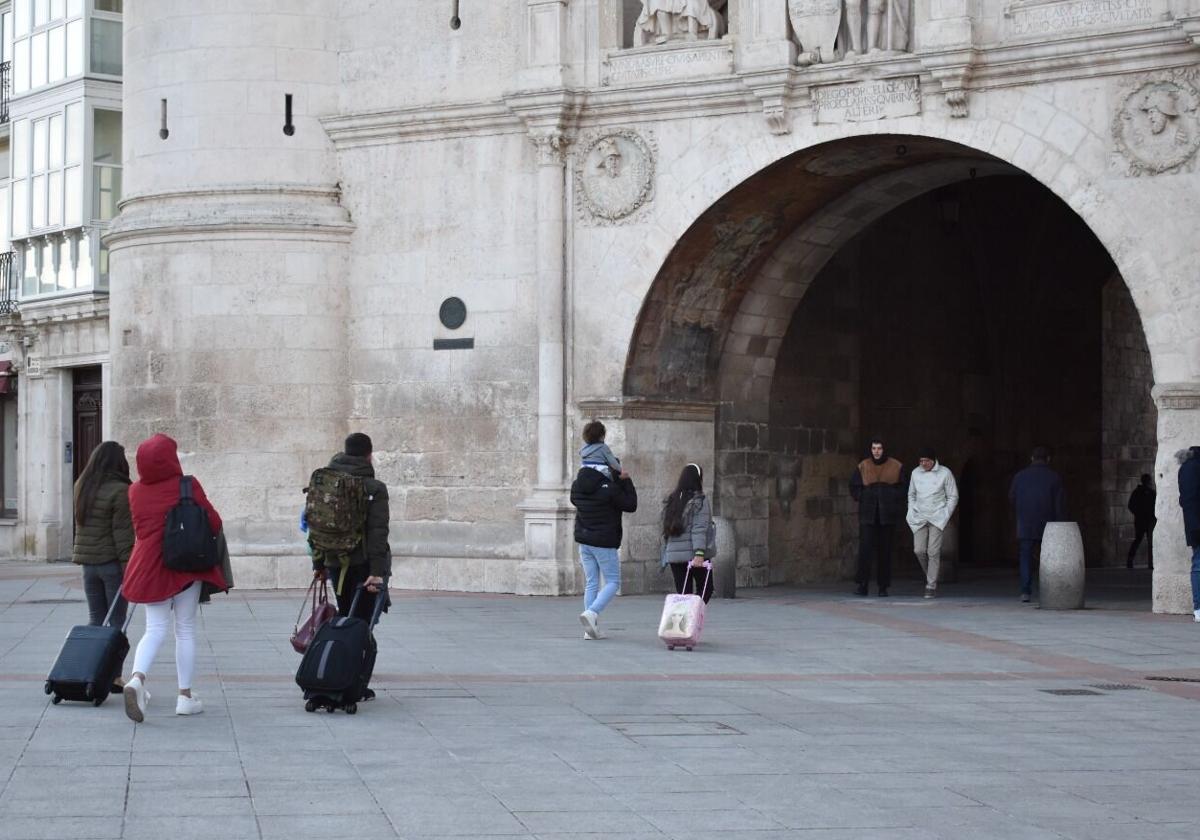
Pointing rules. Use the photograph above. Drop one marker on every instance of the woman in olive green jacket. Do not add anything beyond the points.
(103, 530)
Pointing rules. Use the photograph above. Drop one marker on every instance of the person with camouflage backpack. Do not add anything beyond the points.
(347, 515)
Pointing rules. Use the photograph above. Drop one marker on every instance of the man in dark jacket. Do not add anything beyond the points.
(880, 487)
(1189, 500)
(371, 560)
(600, 498)
(1141, 505)
(1038, 497)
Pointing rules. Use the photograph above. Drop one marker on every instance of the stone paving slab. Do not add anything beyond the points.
(804, 714)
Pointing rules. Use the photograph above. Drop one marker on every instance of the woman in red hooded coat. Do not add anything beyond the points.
(148, 581)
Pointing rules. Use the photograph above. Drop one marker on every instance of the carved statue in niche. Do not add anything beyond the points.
(829, 30)
(666, 20)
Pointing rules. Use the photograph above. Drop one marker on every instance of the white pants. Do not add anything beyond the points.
(158, 618)
(927, 545)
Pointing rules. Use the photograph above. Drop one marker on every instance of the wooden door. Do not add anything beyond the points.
(88, 424)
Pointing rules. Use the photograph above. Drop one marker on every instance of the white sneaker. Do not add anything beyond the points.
(136, 698)
(1196, 613)
(588, 619)
(188, 705)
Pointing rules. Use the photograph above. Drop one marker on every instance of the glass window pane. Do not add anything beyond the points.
(40, 146)
(74, 8)
(39, 201)
(74, 133)
(107, 192)
(102, 267)
(64, 272)
(110, 6)
(28, 272)
(21, 17)
(21, 66)
(57, 9)
(75, 48)
(58, 55)
(20, 148)
(73, 197)
(20, 208)
(37, 60)
(5, 244)
(41, 12)
(106, 47)
(106, 139)
(56, 141)
(84, 272)
(6, 21)
(54, 203)
(46, 278)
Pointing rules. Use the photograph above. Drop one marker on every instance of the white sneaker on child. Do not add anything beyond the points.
(1196, 613)
(188, 705)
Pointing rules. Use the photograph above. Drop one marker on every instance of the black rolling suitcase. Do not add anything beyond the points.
(337, 666)
(90, 659)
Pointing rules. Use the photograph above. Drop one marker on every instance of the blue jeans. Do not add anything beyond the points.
(1028, 547)
(1196, 577)
(596, 562)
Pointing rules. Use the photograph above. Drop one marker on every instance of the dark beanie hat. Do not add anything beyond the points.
(358, 444)
(927, 452)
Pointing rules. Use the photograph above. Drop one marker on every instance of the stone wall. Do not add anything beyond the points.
(1129, 436)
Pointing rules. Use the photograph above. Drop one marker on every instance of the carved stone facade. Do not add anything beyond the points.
(634, 227)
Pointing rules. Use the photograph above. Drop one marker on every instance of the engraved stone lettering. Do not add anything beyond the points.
(864, 101)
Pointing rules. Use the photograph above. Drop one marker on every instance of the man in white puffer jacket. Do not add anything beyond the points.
(932, 498)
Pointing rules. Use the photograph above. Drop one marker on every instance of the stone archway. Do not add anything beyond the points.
(714, 320)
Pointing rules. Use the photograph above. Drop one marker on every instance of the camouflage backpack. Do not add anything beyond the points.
(336, 511)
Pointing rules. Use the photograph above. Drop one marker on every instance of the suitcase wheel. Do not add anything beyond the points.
(351, 708)
(310, 706)
(689, 648)
(49, 688)
(89, 691)
(55, 699)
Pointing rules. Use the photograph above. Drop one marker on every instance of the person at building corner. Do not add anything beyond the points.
(369, 562)
(878, 485)
(600, 497)
(1189, 500)
(1037, 496)
(1141, 505)
(932, 498)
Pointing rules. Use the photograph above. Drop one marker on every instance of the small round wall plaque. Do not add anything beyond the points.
(453, 313)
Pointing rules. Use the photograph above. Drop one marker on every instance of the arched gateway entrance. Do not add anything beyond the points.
(904, 286)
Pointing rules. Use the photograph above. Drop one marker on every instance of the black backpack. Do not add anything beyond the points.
(189, 545)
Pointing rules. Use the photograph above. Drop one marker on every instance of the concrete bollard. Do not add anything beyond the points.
(1061, 571)
(725, 567)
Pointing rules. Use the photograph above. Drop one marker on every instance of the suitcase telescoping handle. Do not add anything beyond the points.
(707, 575)
(113, 606)
(381, 599)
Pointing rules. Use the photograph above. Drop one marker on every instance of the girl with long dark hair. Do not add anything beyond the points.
(685, 531)
(103, 530)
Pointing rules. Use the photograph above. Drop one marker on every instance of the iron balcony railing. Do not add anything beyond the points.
(8, 284)
(5, 89)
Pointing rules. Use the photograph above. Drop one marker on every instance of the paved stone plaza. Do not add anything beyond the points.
(806, 714)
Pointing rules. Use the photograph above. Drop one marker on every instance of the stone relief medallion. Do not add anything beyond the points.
(614, 175)
(1157, 125)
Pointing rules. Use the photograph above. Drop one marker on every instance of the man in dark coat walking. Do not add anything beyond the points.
(1141, 505)
(1037, 497)
(880, 486)
(1189, 500)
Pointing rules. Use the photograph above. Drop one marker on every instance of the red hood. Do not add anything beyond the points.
(157, 460)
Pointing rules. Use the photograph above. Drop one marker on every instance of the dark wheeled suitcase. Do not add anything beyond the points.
(337, 666)
(90, 659)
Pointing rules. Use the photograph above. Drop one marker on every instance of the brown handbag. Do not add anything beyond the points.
(321, 611)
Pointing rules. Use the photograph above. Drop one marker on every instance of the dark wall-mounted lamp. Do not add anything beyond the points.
(288, 128)
(163, 131)
(455, 20)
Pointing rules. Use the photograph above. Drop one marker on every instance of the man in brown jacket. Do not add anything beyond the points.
(879, 485)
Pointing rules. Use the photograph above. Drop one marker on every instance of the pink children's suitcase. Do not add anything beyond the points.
(683, 618)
